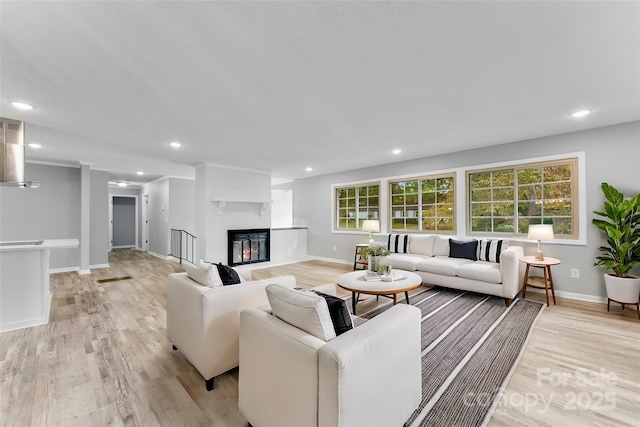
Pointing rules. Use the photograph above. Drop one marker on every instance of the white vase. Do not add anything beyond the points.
(625, 290)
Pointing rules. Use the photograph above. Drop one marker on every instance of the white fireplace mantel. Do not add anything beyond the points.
(221, 202)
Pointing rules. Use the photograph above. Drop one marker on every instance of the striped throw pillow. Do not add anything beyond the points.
(490, 250)
(398, 243)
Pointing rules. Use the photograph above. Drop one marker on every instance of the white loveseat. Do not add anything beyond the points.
(289, 377)
(428, 256)
(202, 322)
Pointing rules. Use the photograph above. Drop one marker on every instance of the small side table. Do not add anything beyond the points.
(357, 258)
(545, 282)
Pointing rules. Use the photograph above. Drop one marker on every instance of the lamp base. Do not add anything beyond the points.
(539, 256)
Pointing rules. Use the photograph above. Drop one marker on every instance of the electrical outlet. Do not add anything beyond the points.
(335, 248)
(575, 273)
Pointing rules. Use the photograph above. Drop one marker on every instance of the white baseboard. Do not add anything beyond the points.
(77, 269)
(338, 261)
(123, 247)
(99, 266)
(572, 295)
(6, 327)
(164, 257)
(63, 270)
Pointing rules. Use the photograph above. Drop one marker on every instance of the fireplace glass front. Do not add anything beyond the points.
(248, 246)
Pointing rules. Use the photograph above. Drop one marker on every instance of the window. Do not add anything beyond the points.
(354, 204)
(507, 200)
(422, 204)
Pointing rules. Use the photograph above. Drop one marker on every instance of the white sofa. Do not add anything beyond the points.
(202, 322)
(428, 256)
(367, 376)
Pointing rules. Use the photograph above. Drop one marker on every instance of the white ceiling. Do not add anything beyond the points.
(279, 86)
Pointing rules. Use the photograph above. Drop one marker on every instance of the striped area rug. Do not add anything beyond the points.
(471, 343)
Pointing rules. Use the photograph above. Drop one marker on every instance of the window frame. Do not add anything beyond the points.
(420, 204)
(336, 205)
(576, 203)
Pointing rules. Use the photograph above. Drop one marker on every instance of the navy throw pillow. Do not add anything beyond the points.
(468, 250)
(228, 275)
(339, 313)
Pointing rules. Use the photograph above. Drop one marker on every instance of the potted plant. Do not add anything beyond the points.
(621, 224)
(373, 253)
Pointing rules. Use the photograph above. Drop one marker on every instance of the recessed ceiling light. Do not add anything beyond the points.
(308, 169)
(581, 113)
(140, 173)
(121, 184)
(22, 106)
(175, 144)
(34, 145)
(397, 151)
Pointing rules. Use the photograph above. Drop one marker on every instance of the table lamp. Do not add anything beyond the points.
(371, 225)
(540, 232)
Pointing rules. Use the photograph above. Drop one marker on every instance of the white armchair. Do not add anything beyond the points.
(367, 376)
(202, 322)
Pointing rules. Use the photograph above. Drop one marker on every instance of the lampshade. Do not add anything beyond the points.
(371, 225)
(540, 232)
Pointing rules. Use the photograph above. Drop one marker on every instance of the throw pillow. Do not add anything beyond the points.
(422, 244)
(302, 309)
(203, 274)
(490, 250)
(468, 250)
(441, 246)
(339, 313)
(398, 243)
(228, 275)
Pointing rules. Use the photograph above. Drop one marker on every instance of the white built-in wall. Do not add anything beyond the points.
(228, 199)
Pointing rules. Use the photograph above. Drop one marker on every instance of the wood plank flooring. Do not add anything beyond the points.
(104, 358)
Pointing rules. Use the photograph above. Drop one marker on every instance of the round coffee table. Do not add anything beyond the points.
(355, 283)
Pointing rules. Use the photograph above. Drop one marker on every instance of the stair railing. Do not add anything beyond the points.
(183, 245)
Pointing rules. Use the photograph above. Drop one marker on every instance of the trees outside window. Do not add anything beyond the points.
(356, 203)
(507, 200)
(422, 204)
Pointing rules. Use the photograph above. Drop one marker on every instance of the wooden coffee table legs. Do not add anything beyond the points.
(355, 298)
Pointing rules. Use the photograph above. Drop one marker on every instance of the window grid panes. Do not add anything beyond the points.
(354, 204)
(422, 204)
(509, 200)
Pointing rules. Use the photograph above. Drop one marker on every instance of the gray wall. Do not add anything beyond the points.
(612, 155)
(171, 205)
(124, 221)
(49, 212)
(182, 198)
(99, 228)
(53, 212)
(159, 231)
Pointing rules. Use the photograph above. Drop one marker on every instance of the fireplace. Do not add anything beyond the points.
(248, 246)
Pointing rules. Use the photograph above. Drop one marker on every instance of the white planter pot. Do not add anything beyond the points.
(625, 290)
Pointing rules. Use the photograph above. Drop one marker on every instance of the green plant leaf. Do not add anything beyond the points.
(611, 194)
(622, 230)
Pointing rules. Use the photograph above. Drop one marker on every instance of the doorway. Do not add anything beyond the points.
(124, 223)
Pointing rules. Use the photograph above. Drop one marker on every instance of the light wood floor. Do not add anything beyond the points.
(104, 359)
